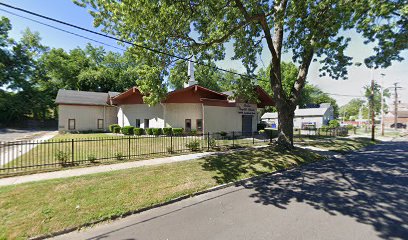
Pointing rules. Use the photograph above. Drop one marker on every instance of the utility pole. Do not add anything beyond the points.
(372, 111)
(395, 105)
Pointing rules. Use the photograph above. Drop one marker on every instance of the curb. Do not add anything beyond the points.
(212, 189)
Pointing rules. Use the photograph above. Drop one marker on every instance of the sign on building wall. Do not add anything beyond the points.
(246, 108)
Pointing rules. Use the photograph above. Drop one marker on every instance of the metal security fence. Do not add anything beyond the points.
(25, 156)
(320, 132)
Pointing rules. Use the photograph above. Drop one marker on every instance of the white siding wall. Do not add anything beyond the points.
(86, 117)
(176, 113)
(128, 114)
(218, 119)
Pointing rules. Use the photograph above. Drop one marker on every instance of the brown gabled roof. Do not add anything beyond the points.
(193, 94)
(131, 96)
(73, 97)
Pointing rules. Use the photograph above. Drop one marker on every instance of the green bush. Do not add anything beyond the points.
(91, 158)
(193, 145)
(167, 131)
(350, 127)
(119, 156)
(138, 131)
(128, 130)
(149, 131)
(111, 127)
(157, 131)
(212, 143)
(223, 134)
(62, 157)
(334, 124)
(178, 131)
(272, 133)
(116, 129)
(193, 132)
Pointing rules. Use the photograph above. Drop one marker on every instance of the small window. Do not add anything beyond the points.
(71, 124)
(137, 123)
(146, 123)
(100, 123)
(187, 125)
(199, 123)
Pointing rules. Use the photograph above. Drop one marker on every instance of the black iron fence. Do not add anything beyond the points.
(320, 132)
(68, 151)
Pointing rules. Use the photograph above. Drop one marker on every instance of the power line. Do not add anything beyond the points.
(121, 40)
(62, 30)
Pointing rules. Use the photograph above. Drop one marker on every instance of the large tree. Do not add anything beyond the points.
(309, 29)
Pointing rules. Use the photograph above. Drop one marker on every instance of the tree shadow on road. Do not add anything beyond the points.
(370, 186)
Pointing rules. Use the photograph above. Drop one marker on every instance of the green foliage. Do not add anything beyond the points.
(193, 145)
(212, 143)
(223, 134)
(119, 156)
(167, 131)
(138, 131)
(352, 108)
(157, 131)
(116, 129)
(128, 130)
(271, 133)
(62, 157)
(149, 131)
(91, 158)
(178, 131)
(334, 124)
(112, 126)
(193, 132)
(377, 97)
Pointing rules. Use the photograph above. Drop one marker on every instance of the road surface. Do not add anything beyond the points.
(363, 195)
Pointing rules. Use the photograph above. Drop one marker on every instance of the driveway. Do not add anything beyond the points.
(363, 195)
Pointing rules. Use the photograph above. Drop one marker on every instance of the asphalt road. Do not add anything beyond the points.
(363, 195)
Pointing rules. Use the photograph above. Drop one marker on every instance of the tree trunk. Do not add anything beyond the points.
(286, 113)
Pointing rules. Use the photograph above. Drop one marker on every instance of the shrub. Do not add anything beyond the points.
(261, 131)
(261, 126)
(128, 130)
(62, 157)
(334, 124)
(138, 131)
(157, 131)
(272, 133)
(111, 127)
(350, 127)
(170, 150)
(119, 156)
(178, 131)
(149, 131)
(212, 143)
(223, 134)
(91, 158)
(116, 129)
(167, 131)
(193, 132)
(193, 145)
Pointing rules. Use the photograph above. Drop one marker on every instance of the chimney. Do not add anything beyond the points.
(190, 73)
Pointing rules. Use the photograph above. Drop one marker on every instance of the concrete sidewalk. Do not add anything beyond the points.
(108, 168)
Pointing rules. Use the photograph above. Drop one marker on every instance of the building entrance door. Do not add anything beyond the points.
(246, 124)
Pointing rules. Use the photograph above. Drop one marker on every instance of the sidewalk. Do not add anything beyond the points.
(108, 168)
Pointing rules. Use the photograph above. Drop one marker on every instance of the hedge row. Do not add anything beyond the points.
(130, 130)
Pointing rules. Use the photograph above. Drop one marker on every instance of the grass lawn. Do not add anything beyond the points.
(33, 209)
(337, 144)
(108, 148)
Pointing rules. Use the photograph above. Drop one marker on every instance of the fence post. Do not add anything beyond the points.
(72, 150)
(171, 142)
(208, 141)
(129, 147)
(253, 138)
(233, 139)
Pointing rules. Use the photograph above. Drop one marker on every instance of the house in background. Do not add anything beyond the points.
(315, 117)
(192, 108)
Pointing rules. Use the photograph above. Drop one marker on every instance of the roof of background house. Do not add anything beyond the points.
(113, 94)
(82, 97)
(305, 112)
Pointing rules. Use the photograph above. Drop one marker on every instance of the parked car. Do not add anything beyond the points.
(399, 125)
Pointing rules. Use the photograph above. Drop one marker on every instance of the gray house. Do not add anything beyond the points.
(304, 118)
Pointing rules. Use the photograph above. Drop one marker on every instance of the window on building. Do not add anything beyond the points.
(71, 124)
(146, 123)
(199, 123)
(137, 123)
(187, 125)
(100, 123)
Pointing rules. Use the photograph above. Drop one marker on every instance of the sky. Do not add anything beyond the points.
(66, 10)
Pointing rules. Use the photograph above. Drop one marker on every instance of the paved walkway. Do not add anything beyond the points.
(9, 153)
(363, 195)
(106, 168)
